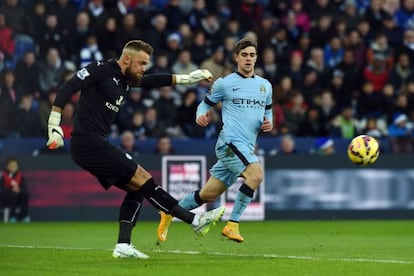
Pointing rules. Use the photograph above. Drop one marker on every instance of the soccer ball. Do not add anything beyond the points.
(363, 150)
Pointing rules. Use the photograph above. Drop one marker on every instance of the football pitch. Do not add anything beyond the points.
(270, 248)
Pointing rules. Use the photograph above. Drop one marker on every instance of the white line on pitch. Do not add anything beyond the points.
(189, 252)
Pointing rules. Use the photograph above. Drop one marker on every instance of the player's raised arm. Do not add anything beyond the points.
(160, 80)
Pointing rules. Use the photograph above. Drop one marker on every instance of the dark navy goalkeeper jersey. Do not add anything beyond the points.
(103, 88)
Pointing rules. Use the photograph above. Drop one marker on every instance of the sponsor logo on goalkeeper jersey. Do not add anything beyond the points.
(115, 107)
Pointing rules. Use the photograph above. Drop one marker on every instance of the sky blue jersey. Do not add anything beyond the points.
(246, 101)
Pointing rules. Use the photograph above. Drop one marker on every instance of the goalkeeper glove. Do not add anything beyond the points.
(55, 132)
(195, 76)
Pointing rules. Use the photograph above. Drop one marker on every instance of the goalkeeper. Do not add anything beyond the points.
(246, 110)
(103, 86)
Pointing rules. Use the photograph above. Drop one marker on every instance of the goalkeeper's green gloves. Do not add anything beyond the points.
(194, 76)
(55, 132)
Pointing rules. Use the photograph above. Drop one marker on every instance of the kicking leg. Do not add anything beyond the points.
(163, 201)
(208, 193)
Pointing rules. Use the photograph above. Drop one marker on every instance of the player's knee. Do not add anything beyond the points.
(255, 179)
(208, 196)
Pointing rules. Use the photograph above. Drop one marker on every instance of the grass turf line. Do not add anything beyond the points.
(285, 247)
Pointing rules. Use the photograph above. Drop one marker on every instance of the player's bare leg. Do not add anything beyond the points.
(252, 177)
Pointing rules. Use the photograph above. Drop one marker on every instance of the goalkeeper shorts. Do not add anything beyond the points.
(109, 164)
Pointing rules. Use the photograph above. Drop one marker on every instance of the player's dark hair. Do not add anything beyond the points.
(139, 45)
(244, 43)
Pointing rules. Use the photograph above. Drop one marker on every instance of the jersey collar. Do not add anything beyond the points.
(243, 76)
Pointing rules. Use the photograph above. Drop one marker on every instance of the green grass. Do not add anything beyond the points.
(271, 248)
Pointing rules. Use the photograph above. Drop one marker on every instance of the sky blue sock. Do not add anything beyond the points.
(189, 202)
(240, 204)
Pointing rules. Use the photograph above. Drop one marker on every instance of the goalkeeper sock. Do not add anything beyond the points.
(191, 201)
(163, 201)
(243, 198)
(128, 215)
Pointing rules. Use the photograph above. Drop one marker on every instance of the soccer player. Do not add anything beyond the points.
(103, 86)
(246, 110)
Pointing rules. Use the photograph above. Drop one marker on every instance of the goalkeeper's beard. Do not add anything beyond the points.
(133, 79)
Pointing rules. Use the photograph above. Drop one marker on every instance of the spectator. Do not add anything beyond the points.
(196, 14)
(272, 71)
(400, 73)
(9, 87)
(153, 126)
(90, 52)
(344, 124)
(380, 47)
(316, 62)
(286, 146)
(352, 78)
(174, 14)
(295, 110)
(143, 13)
(51, 71)
(133, 103)
(215, 63)
(51, 36)
(351, 14)
(369, 101)
(186, 35)
(185, 115)
(295, 69)
(77, 34)
(376, 72)
(400, 126)
(66, 11)
(375, 128)
(15, 14)
(27, 120)
(281, 44)
(127, 31)
(156, 34)
(404, 15)
(28, 75)
(107, 39)
(163, 146)
(183, 65)
(333, 52)
(138, 125)
(7, 44)
(324, 146)
(311, 125)
(375, 14)
(211, 27)
(173, 47)
(128, 144)
(322, 32)
(97, 13)
(166, 107)
(327, 108)
(199, 50)
(407, 44)
(13, 191)
(354, 43)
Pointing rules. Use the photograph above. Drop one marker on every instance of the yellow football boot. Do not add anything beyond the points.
(231, 231)
(165, 222)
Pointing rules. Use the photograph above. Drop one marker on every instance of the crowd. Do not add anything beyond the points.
(338, 68)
